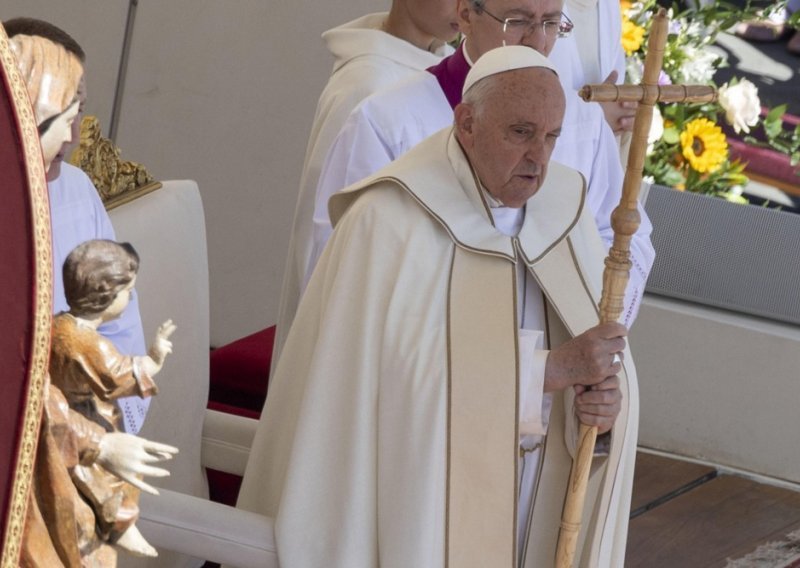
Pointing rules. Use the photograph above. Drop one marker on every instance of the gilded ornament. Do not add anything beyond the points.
(118, 181)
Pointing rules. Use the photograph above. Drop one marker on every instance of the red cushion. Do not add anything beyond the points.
(765, 161)
(223, 487)
(239, 371)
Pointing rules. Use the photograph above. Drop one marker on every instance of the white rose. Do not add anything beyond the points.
(741, 103)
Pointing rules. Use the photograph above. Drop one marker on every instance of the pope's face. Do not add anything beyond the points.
(485, 33)
(56, 137)
(435, 17)
(67, 146)
(509, 136)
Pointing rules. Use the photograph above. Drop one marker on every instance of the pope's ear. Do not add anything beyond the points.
(465, 121)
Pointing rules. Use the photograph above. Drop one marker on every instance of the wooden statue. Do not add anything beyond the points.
(625, 221)
(60, 528)
(51, 75)
(99, 276)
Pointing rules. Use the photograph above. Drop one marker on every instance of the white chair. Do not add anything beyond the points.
(167, 228)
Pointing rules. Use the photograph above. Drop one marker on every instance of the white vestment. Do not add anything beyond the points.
(366, 60)
(353, 455)
(389, 123)
(594, 48)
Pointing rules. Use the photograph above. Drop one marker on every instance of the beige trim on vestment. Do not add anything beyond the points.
(483, 414)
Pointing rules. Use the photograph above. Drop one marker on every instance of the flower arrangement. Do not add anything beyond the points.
(688, 148)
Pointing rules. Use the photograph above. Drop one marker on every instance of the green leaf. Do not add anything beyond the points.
(776, 113)
(671, 135)
(672, 178)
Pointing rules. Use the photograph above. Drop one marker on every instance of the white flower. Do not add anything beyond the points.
(741, 103)
(656, 129)
(634, 69)
(699, 67)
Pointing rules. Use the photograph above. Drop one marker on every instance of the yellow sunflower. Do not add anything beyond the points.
(704, 145)
(632, 36)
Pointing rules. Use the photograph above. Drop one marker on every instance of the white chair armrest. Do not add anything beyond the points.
(227, 439)
(208, 530)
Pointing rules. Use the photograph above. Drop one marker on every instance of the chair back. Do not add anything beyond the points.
(167, 228)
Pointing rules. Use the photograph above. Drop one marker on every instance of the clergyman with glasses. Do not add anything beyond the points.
(391, 122)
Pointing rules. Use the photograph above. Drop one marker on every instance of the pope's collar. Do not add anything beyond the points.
(562, 190)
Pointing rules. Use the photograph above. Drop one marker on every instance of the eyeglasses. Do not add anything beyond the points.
(518, 28)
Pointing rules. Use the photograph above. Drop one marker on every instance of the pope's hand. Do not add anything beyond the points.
(600, 405)
(587, 359)
(128, 457)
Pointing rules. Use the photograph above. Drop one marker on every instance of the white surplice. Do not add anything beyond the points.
(351, 455)
(594, 48)
(366, 60)
(389, 123)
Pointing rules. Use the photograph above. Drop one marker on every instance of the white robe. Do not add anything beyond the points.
(594, 48)
(366, 61)
(350, 456)
(389, 123)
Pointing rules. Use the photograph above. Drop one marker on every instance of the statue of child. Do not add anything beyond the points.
(99, 276)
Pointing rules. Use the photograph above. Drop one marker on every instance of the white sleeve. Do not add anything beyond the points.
(357, 152)
(604, 192)
(534, 405)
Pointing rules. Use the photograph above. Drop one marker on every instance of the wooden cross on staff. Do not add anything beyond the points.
(625, 221)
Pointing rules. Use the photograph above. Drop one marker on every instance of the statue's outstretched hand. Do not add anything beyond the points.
(128, 457)
(162, 346)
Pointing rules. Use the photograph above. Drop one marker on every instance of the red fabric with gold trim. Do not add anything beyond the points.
(17, 290)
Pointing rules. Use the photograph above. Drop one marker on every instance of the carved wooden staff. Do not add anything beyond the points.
(625, 221)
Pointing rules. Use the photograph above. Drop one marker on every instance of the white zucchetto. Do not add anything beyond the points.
(506, 58)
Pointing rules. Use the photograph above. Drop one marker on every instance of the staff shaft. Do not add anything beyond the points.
(625, 221)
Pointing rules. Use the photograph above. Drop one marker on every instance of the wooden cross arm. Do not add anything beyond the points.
(648, 94)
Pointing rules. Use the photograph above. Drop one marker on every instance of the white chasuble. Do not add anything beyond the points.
(390, 437)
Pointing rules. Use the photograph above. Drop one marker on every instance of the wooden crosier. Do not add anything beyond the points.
(625, 221)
